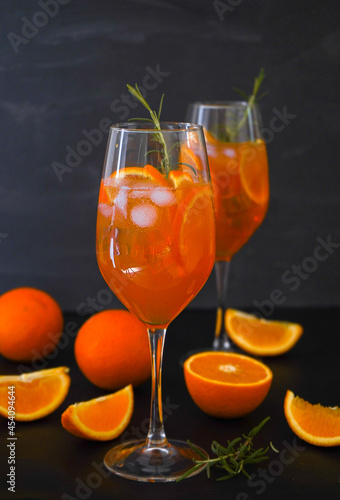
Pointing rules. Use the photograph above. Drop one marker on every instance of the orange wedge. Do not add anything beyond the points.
(260, 336)
(102, 418)
(254, 171)
(315, 424)
(226, 385)
(34, 395)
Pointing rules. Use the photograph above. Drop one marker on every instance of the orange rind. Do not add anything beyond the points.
(102, 418)
(316, 424)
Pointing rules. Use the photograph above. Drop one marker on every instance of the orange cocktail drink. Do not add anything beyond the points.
(239, 173)
(150, 248)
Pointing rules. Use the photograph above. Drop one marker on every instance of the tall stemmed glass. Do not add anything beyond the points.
(155, 249)
(239, 172)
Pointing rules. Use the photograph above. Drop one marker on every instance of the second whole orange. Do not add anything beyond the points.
(112, 350)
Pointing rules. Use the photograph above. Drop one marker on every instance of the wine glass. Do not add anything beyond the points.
(155, 249)
(239, 173)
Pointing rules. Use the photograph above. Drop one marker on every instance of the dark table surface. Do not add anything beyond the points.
(52, 464)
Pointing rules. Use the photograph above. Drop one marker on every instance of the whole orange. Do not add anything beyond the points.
(112, 350)
(31, 323)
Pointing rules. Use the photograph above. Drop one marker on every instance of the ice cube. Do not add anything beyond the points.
(144, 215)
(162, 197)
(106, 210)
(140, 190)
(120, 202)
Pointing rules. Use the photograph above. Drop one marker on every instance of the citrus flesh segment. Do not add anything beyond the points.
(102, 418)
(37, 394)
(314, 423)
(259, 336)
(226, 385)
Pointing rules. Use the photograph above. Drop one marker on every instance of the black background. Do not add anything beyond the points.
(72, 73)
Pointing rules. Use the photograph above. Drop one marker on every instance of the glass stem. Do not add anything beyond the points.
(156, 435)
(221, 341)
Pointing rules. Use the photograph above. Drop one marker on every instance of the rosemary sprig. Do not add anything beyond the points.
(233, 458)
(252, 99)
(155, 119)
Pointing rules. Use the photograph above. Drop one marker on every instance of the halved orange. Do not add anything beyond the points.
(226, 385)
(102, 418)
(259, 336)
(34, 395)
(254, 171)
(315, 424)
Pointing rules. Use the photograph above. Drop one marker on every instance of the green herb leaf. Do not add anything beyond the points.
(155, 118)
(252, 99)
(233, 457)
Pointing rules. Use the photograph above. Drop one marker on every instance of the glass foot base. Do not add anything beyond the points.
(139, 462)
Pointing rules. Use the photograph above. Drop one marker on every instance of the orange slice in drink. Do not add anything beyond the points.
(189, 225)
(35, 394)
(226, 385)
(315, 424)
(113, 197)
(259, 336)
(146, 173)
(190, 162)
(137, 173)
(102, 418)
(210, 138)
(178, 178)
(253, 171)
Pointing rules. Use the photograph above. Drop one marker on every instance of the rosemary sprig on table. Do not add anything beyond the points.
(234, 457)
(155, 119)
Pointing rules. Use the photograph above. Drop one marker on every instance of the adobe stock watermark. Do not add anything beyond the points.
(292, 278)
(94, 137)
(53, 346)
(50, 350)
(221, 7)
(249, 151)
(297, 274)
(30, 28)
(266, 476)
(84, 488)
